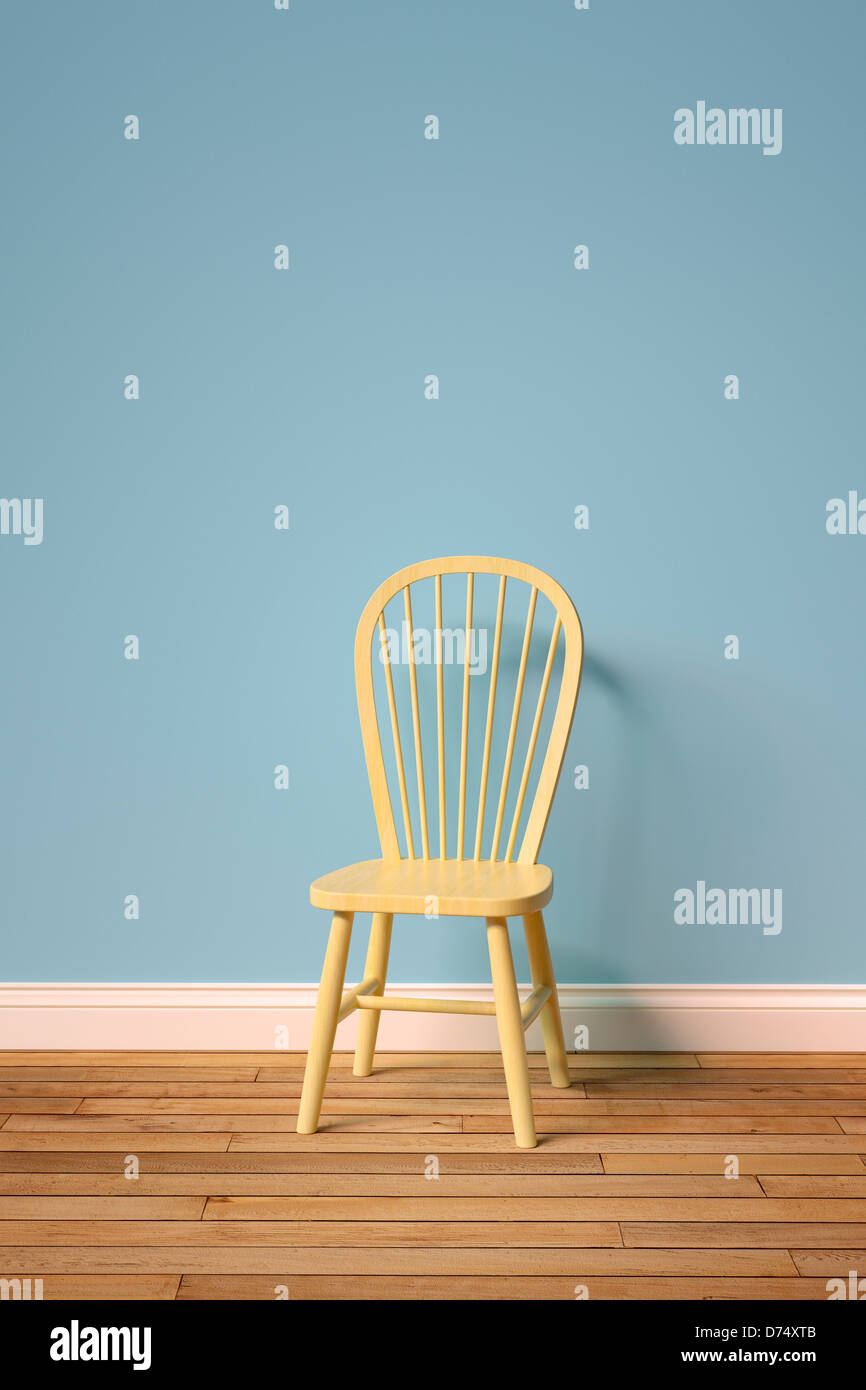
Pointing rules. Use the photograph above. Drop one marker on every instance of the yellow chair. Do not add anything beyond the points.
(467, 885)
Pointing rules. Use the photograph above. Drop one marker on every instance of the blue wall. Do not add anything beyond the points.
(559, 387)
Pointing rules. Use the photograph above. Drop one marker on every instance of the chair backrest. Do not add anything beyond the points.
(374, 639)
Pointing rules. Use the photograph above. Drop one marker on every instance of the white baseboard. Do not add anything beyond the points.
(658, 1018)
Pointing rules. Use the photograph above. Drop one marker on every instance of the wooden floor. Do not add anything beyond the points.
(625, 1195)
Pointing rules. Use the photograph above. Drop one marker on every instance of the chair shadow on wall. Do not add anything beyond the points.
(623, 838)
(643, 739)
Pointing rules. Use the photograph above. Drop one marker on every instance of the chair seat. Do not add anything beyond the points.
(461, 887)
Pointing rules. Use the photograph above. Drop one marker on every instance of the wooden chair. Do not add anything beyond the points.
(467, 884)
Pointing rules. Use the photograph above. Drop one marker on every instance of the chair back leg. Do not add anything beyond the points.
(509, 1021)
(325, 1023)
(376, 968)
(541, 968)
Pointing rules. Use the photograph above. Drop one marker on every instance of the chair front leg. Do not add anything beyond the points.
(375, 968)
(510, 1024)
(541, 968)
(325, 1023)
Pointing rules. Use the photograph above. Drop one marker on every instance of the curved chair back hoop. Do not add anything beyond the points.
(469, 839)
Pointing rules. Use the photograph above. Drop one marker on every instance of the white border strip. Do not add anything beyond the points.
(743, 1018)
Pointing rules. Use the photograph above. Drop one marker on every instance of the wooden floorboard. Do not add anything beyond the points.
(413, 1188)
(493, 1287)
(352, 1184)
(747, 1163)
(286, 1261)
